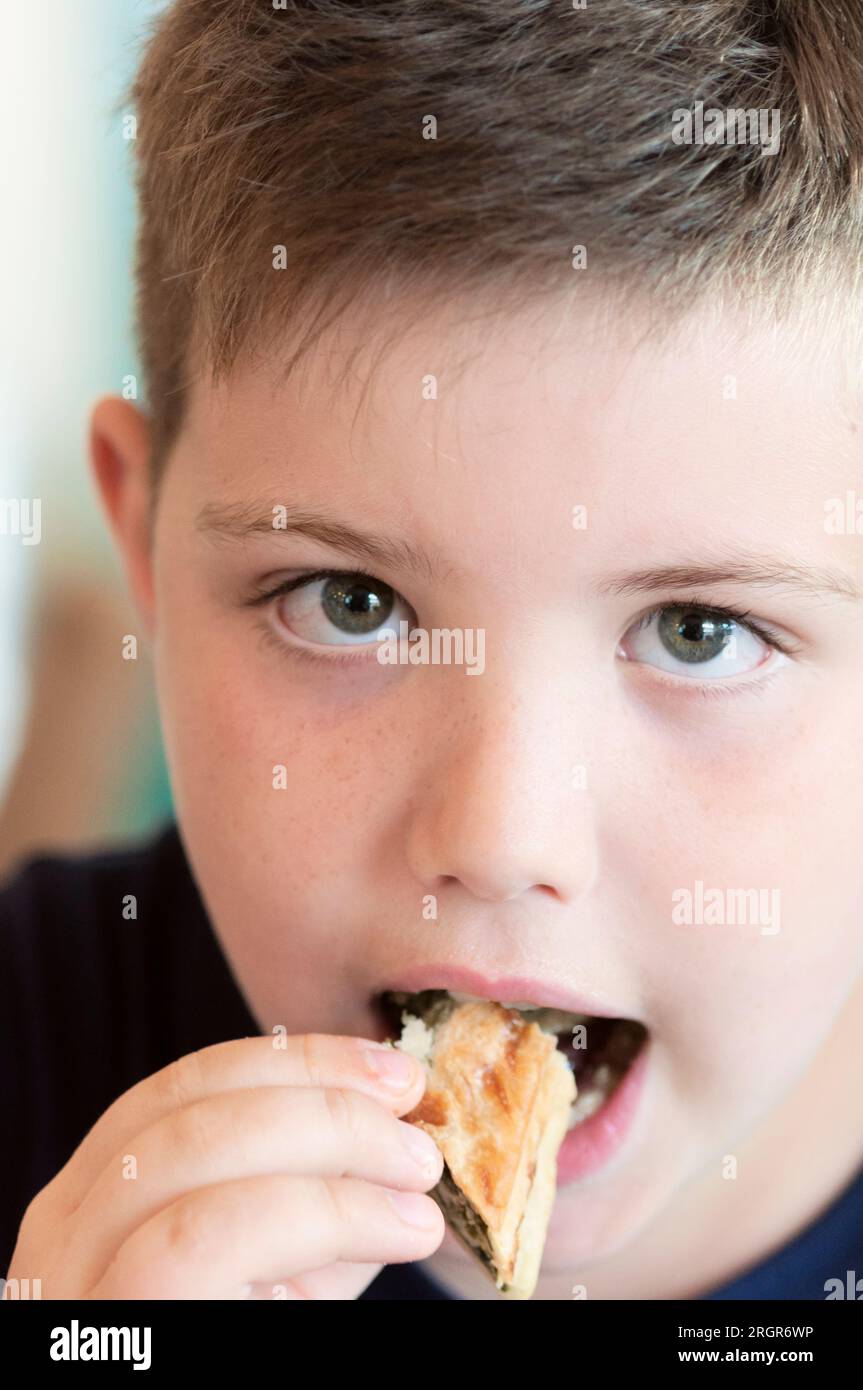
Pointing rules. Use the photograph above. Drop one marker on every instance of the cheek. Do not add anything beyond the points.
(272, 763)
(742, 1006)
(279, 809)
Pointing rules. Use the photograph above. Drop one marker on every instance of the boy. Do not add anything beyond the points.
(451, 318)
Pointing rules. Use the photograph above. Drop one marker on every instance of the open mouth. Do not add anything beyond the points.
(599, 1051)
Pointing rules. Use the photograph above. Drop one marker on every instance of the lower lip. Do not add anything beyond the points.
(594, 1142)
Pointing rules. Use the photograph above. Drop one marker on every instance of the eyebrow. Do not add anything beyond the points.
(244, 522)
(756, 570)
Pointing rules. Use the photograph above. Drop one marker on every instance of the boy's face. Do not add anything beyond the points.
(559, 802)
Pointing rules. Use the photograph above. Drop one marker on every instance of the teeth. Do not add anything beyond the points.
(478, 999)
(586, 1105)
(552, 1020)
(588, 1101)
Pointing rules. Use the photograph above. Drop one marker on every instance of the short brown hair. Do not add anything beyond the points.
(306, 123)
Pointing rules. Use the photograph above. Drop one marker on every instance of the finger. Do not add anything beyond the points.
(336, 1283)
(308, 1059)
(212, 1242)
(299, 1131)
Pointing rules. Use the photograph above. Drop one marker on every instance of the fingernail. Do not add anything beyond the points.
(393, 1068)
(415, 1209)
(422, 1149)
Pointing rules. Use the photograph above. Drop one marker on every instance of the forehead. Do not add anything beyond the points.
(505, 422)
(466, 365)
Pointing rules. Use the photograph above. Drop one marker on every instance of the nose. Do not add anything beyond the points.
(500, 811)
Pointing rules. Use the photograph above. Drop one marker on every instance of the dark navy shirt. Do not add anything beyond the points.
(91, 1002)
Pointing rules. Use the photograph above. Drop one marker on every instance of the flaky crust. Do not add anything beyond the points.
(497, 1105)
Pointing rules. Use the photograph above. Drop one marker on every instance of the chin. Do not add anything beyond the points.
(588, 1226)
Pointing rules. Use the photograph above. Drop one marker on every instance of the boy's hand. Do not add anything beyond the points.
(242, 1171)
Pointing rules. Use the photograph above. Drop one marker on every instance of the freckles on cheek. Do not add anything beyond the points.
(335, 759)
(221, 740)
(350, 778)
(223, 714)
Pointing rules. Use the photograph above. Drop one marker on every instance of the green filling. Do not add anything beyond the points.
(465, 1220)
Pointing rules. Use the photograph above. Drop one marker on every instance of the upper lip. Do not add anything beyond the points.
(505, 989)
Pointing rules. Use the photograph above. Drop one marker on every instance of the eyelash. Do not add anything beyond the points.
(707, 689)
(743, 616)
(718, 690)
(301, 581)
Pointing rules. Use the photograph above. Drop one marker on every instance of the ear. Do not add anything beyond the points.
(120, 460)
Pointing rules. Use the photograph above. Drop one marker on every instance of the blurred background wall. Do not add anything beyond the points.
(81, 763)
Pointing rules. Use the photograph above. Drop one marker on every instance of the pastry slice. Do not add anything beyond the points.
(497, 1103)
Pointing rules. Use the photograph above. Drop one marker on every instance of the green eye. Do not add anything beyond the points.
(336, 608)
(356, 606)
(700, 643)
(692, 635)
